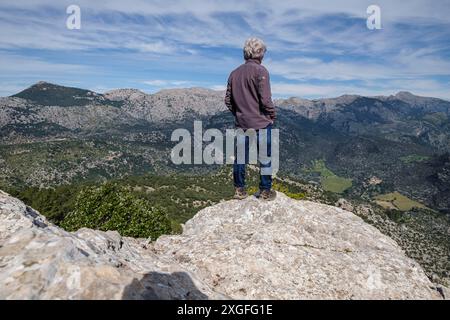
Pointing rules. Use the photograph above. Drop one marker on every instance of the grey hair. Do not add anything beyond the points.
(254, 48)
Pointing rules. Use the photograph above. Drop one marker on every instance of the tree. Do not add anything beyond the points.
(113, 207)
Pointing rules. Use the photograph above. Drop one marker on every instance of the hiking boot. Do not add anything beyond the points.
(240, 194)
(267, 195)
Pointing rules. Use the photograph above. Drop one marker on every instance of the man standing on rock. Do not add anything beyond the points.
(249, 98)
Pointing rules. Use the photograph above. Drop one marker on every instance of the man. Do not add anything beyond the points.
(249, 98)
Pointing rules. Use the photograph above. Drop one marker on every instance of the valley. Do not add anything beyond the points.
(384, 158)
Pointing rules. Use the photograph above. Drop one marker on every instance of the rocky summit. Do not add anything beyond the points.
(285, 249)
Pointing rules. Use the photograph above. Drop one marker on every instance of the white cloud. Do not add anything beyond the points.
(399, 67)
(13, 64)
(154, 47)
(199, 22)
(393, 9)
(182, 33)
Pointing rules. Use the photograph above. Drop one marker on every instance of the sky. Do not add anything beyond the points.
(316, 49)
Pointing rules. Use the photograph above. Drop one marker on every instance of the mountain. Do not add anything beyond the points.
(401, 118)
(402, 140)
(48, 94)
(387, 156)
(286, 249)
(78, 109)
(169, 105)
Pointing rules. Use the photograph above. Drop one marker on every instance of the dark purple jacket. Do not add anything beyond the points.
(248, 96)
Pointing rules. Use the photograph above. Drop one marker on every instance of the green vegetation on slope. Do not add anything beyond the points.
(112, 207)
(397, 201)
(281, 188)
(58, 162)
(414, 158)
(48, 94)
(55, 204)
(437, 118)
(330, 181)
(180, 195)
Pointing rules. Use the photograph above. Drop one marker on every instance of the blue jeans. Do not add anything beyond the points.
(239, 169)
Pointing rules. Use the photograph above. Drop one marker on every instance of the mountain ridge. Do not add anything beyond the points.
(403, 136)
(389, 154)
(399, 94)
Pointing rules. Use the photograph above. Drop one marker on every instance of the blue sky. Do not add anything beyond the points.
(315, 48)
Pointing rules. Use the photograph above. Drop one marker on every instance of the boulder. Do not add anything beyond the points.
(284, 249)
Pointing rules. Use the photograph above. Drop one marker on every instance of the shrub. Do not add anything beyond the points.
(113, 207)
(281, 188)
(294, 195)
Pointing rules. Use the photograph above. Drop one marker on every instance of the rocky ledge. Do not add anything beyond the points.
(285, 249)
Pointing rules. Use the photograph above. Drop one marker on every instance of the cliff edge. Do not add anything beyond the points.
(285, 249)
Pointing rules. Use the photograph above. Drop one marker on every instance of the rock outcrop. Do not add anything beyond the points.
(285, 249)
(170, 104)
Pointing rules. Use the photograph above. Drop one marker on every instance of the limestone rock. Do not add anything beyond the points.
(344, 204)
(169, 104)
(285, 249)
(41, 261)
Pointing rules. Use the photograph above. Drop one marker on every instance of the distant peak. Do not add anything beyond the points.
(345, 96)
(124, 91)
(43, 83)
(122, 94)
(404, 94)
(49, 94)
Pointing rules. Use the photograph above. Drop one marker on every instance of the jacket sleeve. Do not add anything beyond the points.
(265, 94)
(229, 98)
